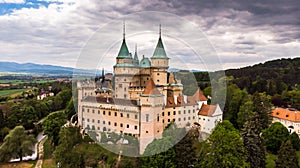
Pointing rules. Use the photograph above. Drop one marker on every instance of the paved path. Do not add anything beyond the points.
(39, 163)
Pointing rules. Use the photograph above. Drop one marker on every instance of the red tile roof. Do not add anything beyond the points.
(286, 114)
(207, 110)
(151, 88)
(198, 95)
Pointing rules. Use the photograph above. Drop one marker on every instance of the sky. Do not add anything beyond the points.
(236, 33)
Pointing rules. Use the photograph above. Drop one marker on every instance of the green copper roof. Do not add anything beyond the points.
(126, 65)
(145, 63)
(136, 58)
(159, 50)
(124, 53)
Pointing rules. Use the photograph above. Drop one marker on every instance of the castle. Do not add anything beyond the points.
(143, 99)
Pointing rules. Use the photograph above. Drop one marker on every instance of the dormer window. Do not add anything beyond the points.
(277, 113)
(286, 115)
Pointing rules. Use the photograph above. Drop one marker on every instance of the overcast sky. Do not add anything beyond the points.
(58, 32)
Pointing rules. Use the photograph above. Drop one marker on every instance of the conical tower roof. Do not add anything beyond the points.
(151, 88)
(159, 51)
(124, 52)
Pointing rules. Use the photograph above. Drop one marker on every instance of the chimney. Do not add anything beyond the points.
(185, 99)
(175, 99)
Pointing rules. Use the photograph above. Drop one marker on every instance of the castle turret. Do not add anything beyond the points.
(159, 63)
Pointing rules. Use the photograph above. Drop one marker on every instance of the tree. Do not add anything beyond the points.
(17, 144)
(245, 112)
(185, 151)
(223, 148)
(156, 158)
(65, 154)
(294, 138)
(253, 143)
(262, 106)
(287, 156)
(274, 136)
(52, 124)
(70, 109)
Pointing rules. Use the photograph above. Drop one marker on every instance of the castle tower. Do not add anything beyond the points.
(151, 125)
(124, 71)
(159, 63)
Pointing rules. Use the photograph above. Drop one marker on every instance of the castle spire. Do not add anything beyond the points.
(159, 51)
(123, 52)
(136, 58)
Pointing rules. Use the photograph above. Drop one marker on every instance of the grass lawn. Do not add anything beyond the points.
(27, 164)
(11, 92)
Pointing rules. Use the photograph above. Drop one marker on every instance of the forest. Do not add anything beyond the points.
(245, 138)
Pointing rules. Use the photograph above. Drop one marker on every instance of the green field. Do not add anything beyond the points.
(16, 82)
(11, 92)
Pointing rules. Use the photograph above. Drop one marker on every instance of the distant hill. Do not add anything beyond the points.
(39, 69)
(271, 77)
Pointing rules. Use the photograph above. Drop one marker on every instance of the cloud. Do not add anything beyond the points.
(13, 1)
(241, 32)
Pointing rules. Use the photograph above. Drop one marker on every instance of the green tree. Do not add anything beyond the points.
(295, 140)
(156, 158)
(16, 144)
(52, 124)
(274, 136)
(224, 148)
(185, 151)
(70, 109)
(287, 156)
(253, 143)
(262, 106)
(245, 112)
(69, 137)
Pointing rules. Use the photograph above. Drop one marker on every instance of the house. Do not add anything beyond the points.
(289, 117)
(45, 94)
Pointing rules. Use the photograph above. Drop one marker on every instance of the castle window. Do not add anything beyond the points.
(103, 122)
(193, 117)
(125, 95)
(157, 74)
(127, 115)
(108, 122)
(125, 89)
(173, 107)
(93, 111)
(189, 118)
(189, 111)
(88, 110)
(88, 120)
(193, 110)
(98, 128)
(179, 112)
(163, 121)
(121, 125)
(82, 109)
(163, 113)
(157, 118)
(98, 111)
(179, 119)
(183, 111)
(157, 80)
(168, 120)
(183, 118)
(174, 112)
(98, 121)
(82, 119)
(147, 117)
(127, 126)
(115, 113)
(109, 113)
(169, 113)
(116, 124)
(174, 119)
(120, 85)
(147, 78)
(121, 114)
(124, 80)
(135, 127)
(135, 116)
(103, 112)
(146, 132)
